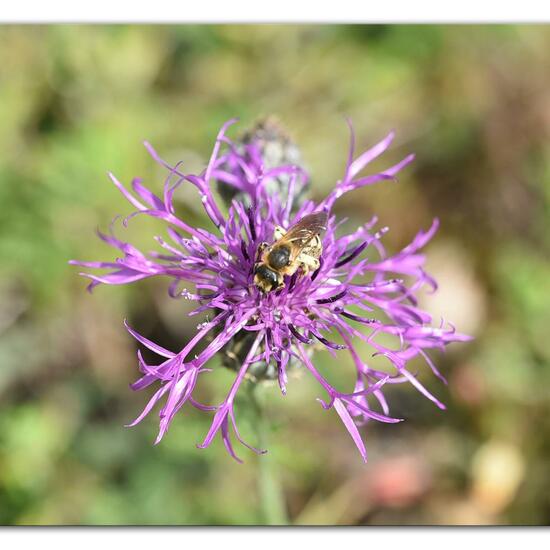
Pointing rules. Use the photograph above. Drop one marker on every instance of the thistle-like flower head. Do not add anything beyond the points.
(359, 292)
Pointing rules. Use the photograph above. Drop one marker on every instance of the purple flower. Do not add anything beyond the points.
(350, 298)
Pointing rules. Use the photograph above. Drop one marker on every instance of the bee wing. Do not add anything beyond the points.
(300, 234)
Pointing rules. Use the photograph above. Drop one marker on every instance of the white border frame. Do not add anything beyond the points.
(276, 11)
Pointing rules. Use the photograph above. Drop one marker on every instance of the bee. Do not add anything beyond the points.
(298, 248)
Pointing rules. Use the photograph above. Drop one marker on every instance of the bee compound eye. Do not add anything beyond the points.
(271, 276)
(267, 275)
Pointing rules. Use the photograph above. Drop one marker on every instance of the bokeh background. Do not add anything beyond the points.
(473, 102)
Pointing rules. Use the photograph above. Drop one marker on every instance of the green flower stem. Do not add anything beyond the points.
(270, 491)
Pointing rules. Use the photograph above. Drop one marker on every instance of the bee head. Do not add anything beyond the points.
(265, 279)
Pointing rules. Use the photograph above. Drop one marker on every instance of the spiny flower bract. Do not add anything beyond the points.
(350, 297)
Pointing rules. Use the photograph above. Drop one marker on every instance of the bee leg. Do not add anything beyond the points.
(308, 263)
(261, 248)
(279, 233)
(316, 244)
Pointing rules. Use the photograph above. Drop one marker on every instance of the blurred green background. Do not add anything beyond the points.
(473, 102)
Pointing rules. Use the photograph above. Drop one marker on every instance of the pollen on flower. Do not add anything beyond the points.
(348, 298)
